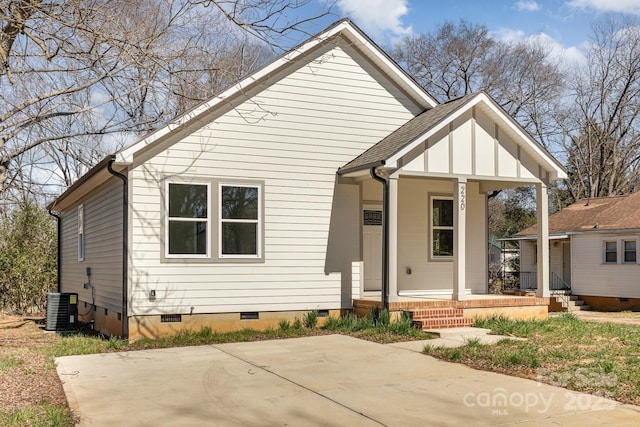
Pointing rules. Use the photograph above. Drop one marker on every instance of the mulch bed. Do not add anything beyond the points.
(27, 377)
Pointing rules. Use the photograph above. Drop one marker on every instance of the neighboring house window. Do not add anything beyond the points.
(188, 220)
(611, 252)
(629, 251)
(81, 240)
(240, 222)
(441, 227)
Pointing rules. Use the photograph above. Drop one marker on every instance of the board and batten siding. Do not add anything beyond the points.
(591, 276)
(103, 248)
(292, 137)
(473, 146)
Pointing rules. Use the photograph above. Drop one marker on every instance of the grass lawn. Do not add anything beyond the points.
(597, 358)
(31, 393)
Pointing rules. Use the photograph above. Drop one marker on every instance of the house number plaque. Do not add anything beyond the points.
(463, 196)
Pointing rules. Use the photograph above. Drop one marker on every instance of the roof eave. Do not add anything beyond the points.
(58, 203)
(360, 168)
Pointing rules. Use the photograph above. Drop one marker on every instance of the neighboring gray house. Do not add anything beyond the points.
(594, 250)
(267, 201)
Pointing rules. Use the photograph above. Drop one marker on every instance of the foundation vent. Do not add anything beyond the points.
(249, 315)
(170, 318)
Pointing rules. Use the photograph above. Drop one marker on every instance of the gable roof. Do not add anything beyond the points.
(344, 28)
(593, 215)
(403, 136)
(417, 130)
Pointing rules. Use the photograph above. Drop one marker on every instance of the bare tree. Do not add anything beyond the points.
(459, 59)
(81, 77)
(603, 131)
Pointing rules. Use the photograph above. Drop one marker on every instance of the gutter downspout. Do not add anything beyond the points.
(385, 237)
(59, 259)
(125, 244)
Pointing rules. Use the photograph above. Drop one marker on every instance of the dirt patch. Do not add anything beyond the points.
(27, 376)
(624, 317)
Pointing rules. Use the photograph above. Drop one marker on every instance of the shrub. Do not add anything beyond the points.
(28, 251)
(310, 319)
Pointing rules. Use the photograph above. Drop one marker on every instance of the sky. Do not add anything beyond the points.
(564, 25)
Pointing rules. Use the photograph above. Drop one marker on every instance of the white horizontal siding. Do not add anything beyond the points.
(103, 247)
(414, 236)
(555, 258)
(292, 136)
(590, 276)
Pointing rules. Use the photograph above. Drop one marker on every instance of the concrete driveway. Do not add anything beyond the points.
(329, 380)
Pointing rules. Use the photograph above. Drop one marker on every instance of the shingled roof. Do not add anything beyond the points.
(598, 214)
(405, 134)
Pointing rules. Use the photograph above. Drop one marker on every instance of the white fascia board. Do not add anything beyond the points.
(534, 237)
(367, 47)
(392, 69)
(531, 144)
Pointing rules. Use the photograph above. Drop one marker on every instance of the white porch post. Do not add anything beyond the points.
(542, 211)
(393, 239)
(459, 238)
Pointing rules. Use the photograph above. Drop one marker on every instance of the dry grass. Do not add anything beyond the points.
(29, 383)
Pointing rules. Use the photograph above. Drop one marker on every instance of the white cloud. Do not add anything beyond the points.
(568, 56)
(508, 35)
(378, 18)
(527, 5)
(624, 6)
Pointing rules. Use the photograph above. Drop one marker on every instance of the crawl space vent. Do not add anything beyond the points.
(170, 318)
(249, 315)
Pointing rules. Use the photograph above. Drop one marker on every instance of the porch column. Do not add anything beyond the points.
(542, 212)
(459, 239)
(393, 239)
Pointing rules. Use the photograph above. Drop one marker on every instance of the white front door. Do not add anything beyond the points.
(372, 248)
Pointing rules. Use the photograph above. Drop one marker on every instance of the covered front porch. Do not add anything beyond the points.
(428, 183)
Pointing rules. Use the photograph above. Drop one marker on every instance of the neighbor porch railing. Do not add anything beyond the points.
(528, 280)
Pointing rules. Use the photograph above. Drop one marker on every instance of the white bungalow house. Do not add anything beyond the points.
(593, 251)
(326, 177)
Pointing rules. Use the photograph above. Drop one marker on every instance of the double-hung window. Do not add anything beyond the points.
(629, 251)
(441, 227)
(188, 220)
(611, 252)
(240, 222)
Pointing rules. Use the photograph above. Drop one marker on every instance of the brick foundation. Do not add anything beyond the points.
(611, 303)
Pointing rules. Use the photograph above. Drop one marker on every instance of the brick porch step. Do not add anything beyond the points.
(437, 318)
(431, 313)
(446, 322)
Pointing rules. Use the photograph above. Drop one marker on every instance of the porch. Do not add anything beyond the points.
(426, 232)
(447, 312)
